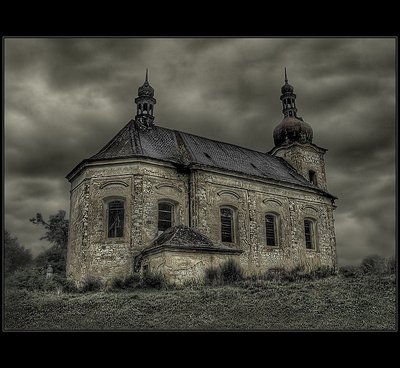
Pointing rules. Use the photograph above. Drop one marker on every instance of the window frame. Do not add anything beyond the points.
(276, 229)
(107, 202)
(173, 215)
(233, 224)
(313, 233)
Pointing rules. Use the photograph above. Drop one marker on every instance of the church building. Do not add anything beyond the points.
(161, 200)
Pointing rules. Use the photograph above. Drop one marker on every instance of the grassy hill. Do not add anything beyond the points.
(333, 303)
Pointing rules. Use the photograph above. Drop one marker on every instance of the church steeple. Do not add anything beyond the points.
(288, 99)
(293, 139)
(292, 128)
(145, 104)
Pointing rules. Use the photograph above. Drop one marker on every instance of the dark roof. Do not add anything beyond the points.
(182, 237)
(187, 149)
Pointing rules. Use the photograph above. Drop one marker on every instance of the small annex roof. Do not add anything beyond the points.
(185, 238)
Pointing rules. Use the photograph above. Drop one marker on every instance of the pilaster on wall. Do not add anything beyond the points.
(200, 204)
(138, 203)
(331, 221)
(253, 228)
(85, 227)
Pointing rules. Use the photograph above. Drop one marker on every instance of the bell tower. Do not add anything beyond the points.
(293, 139)
(145, 105)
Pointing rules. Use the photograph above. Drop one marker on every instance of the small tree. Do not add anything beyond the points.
(57, 234)
(56, 228)
(15, 255)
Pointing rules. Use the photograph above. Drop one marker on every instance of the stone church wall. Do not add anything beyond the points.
(179, 267)
(305, 158)
(141, 185)
(251, 200)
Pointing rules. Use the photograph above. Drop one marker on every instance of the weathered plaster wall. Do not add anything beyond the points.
(141, 185)
(251, 200)
(305, 158)
(181, 266)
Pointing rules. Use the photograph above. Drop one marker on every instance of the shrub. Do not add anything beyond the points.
(297, 273)
(15, 255)
(322, 272)
(91, 283)
(373, 264)
(130, 282)
(30, 279)
(349, 271)
(274, 274)
(35, 279)
(231, 272)
(212, 276)
(55, 256)
(227, 273)
(153, 280)
(66, 285)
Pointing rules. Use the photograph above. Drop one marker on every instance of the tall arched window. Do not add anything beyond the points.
(227, 231)
(165, 216)
(271, 226)
(145, 108)
(115, 219)
(309, 233)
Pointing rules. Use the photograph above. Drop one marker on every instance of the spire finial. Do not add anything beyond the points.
(147, 75)
(286, 80)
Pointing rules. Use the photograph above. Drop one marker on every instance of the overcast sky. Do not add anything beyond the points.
(66, 98)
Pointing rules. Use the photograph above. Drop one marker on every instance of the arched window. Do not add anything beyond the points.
(116, 219)
(165, 216)
(227, 225)
(271, 226)
(145, 108)
(140, 108)
(309, 233)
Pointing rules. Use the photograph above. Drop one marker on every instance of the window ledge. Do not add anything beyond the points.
(115, 240)
(272, 247)
(312, 250)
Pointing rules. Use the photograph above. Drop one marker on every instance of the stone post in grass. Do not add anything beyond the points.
(49, 272)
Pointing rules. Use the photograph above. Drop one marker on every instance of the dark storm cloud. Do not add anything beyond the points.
(66, 98)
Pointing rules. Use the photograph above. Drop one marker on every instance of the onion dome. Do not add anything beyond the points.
(292, 128)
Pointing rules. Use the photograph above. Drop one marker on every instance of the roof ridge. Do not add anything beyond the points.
(135, 139)
(184, 153)
(175, 228)
(214, 140)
